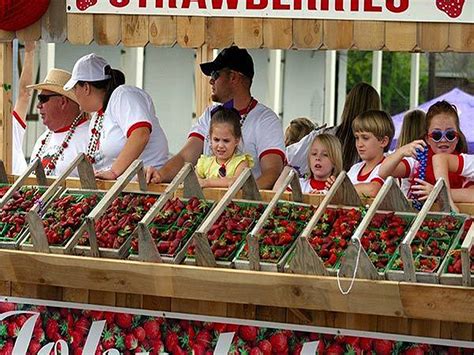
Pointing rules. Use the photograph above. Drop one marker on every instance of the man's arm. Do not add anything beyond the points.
(271, 166)
(188, 154)
(26, 78)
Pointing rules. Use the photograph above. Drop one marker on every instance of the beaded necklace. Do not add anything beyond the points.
(96, 132)
(50, 165)
(245, 112)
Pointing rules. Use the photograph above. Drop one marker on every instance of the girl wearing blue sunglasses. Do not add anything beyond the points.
(443, 135)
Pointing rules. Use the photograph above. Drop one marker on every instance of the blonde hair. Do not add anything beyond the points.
(413, 127)
(298, 128)
(377, 122)
(333, 146)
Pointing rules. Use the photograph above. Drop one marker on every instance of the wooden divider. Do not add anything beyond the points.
(6, 81)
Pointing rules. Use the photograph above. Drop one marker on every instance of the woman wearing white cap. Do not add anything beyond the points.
(125, 126)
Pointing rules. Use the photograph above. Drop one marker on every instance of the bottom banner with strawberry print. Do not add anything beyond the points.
(41, 327)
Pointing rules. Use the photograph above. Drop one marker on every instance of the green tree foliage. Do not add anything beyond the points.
(395, 77)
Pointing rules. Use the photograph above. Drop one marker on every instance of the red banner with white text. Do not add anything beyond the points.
(43, 327)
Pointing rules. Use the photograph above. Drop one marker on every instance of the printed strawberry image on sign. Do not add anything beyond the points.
(452, 8)
(83, 5)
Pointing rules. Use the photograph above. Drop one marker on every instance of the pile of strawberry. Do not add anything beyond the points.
(131, 334)
(332, 233)
(65, 216)
(13, 214)
(281, 229)
(120, 220)
(174, 224)
(431, 243)
(382, 238)
(230, 229)
(4, 189)
(454, 263)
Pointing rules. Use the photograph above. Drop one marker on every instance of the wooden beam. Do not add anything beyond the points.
(6, 79)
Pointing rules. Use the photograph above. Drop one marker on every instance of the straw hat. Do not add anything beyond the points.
(54, 81)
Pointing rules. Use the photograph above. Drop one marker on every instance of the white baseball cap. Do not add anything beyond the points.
(91, 67)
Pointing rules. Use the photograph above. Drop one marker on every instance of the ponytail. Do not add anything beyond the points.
(116, 79)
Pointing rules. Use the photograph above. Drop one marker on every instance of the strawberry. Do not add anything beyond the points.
(204, 337)
(279, 342)
(334, 349)
(198, 349)
(152, 329)
(131, 342)
(7, 307)
(52, 329)
(256, 351)
(123, 320)
(34, 347)
(139, 333)
(366, 344)
(414, 350)
(248, 333)
(383, 347)
(171, 340)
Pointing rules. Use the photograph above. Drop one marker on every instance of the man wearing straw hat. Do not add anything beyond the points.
(68, 127)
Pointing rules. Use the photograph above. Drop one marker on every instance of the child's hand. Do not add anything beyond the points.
(202, 182)
(330, 181)
(410, 149)
(422, 189)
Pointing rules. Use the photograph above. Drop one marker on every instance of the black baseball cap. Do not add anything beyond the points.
(234, 58)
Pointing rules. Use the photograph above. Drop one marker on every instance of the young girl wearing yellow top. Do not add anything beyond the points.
(225, 165)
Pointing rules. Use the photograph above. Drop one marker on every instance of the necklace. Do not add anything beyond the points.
(50, 165)
(245, 112)
(96, 132)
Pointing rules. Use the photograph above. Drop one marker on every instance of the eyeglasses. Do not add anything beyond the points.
(222, 171)
(43, 98)
(215, 74)
(437, 135)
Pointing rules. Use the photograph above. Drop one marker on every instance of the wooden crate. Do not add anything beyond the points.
(67, 248)
(430, 277)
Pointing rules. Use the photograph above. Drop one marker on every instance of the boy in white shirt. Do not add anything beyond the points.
(373, 131)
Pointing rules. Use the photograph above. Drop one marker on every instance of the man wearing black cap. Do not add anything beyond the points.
(231, 75)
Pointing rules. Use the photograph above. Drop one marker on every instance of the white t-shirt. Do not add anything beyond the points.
(466, 162)
(309, 185)
(356, 177)
(130, 108)
(262, 134)
(77, 145)
(18, 132)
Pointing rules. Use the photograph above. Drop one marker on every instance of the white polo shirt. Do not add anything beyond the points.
(18, 132)
(356, 177)
(262, 134)
(77, 145)
(130, 108)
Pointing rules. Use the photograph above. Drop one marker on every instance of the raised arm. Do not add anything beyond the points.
(26, 78)
(393, 166)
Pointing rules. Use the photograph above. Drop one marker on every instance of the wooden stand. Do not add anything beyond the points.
(306, 260)
(147, 250)
(246, 182)
(3, 173)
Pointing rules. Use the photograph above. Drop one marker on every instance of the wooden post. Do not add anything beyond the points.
(147, 250)
(466, 257)
(6, 80)
(38, 237)
(393, 198)
(343, 192)
(202, 86)
(3, 173)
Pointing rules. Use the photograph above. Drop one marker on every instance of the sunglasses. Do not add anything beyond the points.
(222, 171)
(43, 98)
(437, 135)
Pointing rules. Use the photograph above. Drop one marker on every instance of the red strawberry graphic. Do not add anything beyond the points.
(452, 8)
(85, 4)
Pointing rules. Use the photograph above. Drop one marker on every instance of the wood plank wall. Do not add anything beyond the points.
(218, 32)
(372, 323)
